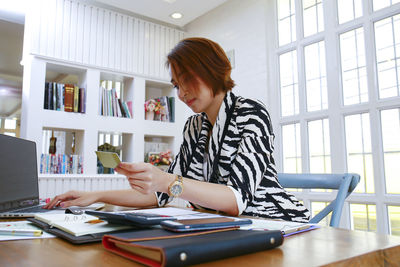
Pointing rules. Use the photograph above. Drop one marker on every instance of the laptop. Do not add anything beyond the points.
(19, 184)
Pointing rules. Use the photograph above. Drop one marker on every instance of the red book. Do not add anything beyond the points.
(69, 98)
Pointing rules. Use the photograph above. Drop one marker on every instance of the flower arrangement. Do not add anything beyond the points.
(150, 105)
(159, 109)
(162, 158)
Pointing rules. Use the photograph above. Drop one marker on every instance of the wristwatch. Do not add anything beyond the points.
(175, 189)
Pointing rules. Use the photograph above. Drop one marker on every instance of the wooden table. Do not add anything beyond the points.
(324, 246)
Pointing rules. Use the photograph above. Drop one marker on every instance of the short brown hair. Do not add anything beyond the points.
(202, 58)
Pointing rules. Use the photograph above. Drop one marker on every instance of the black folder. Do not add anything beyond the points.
(192, 249)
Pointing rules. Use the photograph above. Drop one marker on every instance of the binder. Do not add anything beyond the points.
(192, 249)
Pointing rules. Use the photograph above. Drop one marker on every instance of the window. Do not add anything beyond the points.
(394, 219)
(317, 97)
(387, 36)
(289, 84)
(390, 120)
(109, 84)
(291, 148)
(359, 151)
(349, 10)
(316, 207)
(338, 108)
(354, 72)
(109, 138)
(9, 126)
(313, 17)
(319, 148)
(287, 21)
(379, 4)
(363, 217)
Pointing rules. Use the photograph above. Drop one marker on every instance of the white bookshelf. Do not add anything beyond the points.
(136, 56)
(135, 131)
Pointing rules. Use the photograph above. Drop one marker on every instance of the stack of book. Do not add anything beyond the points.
(64, 97)
(111, 105)
(61, 164)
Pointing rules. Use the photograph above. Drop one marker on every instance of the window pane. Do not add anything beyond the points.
(319, 146)
(118, 89)
(363, 217)
(291, 148)
(10, 124)
(359, 153)
(317, 95)
(10, 134)
(349, 10)
(286, 21)
(394, 219)
(378, 4)
(316, 207)
(289, 83)
(354, 76)
(390, 120)
(387, 34)
(313, 17)
(115, 140)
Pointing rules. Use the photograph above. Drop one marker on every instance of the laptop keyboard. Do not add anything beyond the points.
(34, 209)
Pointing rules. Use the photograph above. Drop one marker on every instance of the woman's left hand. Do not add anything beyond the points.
(145, 178)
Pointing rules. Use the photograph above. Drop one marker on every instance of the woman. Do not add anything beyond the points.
(225, 162)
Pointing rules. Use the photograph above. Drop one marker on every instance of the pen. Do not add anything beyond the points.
(303, 227)
(25, 232)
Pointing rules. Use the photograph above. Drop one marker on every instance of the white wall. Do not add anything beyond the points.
(240, 25)
(74, 31)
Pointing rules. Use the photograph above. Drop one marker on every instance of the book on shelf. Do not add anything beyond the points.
(191, 249)
(50, 96)
(171, 108)
(64, 97)
(124, 114)
(82, 100)
(111, 105)
(76, 98)
(46, 96)
(61, 164)
(129, 107)
(69, 97)
(60, 93)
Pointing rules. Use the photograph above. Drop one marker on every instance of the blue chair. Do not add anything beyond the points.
(344, 183)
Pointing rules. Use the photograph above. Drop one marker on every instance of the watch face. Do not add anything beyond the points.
(176, 189)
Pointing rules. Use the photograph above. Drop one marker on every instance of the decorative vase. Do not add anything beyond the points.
(149, 115)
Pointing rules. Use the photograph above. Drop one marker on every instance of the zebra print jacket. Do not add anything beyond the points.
(239, 155)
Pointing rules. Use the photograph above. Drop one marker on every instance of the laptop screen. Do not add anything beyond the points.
(18, 173)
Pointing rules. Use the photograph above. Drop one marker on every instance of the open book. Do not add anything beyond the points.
(79, 225)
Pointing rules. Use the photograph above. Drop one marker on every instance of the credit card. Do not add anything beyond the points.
(108, 159)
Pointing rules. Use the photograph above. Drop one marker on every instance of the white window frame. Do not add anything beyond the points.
(336, 110)
(4, 130)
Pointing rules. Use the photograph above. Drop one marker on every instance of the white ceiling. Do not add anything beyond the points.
(161, 10)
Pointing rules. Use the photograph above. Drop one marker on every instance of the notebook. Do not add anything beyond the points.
(19, 187)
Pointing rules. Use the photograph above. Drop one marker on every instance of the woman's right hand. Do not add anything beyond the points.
(72, 198)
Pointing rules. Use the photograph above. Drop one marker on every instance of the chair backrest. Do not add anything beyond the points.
(344, 183)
